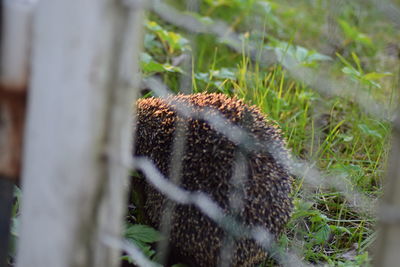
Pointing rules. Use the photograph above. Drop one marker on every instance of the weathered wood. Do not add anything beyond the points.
(78, 132)
(387, 247)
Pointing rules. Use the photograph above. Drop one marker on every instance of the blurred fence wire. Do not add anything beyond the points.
(299, 168)
(213, 211)
(237, 135)
(320, 80)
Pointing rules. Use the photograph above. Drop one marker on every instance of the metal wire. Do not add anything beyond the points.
(320, 80)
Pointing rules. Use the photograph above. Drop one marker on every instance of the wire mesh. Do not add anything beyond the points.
(320, 80)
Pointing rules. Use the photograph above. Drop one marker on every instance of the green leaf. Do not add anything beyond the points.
(339, 229)
(344, 61)
(351, 71)
(322, 235)
(142, 233)
(315, 56)
(14, 236)
(144, 248)
(346, 137)
(302, 209)
(150, 42)
(170, 68)
(348, 31)
(302, 54)
(152, 66)
(357, 61)
(148, 64)
(152, 25)
(224, 73)
(174, 41)
(127, 258)
(202, 76)
(309, 96)
(364, 39)
(376, 75)
(319, 218)
(354, 34)
(15, 226)
(368, 131)
(146, 58)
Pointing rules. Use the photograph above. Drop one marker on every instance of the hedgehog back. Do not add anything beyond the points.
(207, 166)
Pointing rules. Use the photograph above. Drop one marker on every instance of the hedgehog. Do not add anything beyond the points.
(207, 166)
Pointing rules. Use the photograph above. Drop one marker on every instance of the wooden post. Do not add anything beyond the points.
(387, 247)
(78, 133)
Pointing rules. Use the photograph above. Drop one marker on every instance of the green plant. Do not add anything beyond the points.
(356, 73)
(353, 35)
(143, 237)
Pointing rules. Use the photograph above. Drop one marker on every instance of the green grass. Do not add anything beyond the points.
(342, 140)
(334, 133)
